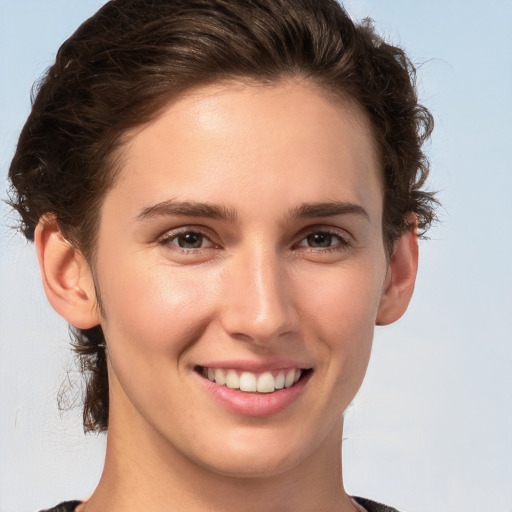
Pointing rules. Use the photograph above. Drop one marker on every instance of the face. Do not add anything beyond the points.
(241, 267)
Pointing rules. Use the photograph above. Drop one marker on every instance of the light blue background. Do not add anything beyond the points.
(431, 429)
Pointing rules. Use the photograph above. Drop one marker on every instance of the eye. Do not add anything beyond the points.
(320, 239)
(323, 240)
(188, 240)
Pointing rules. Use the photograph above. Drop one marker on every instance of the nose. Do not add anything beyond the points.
(258, 298)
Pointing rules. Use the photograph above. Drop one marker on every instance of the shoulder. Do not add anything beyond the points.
(373, 506)
(65, 506)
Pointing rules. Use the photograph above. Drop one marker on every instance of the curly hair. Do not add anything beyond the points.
(123, 66)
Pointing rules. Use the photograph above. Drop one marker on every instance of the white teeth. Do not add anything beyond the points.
(220, 378)
(249, 382)
(280, 380)
(232, 380)
(290, 377)
(266, 383)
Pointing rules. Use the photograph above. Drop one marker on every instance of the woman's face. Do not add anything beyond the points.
(242, 242)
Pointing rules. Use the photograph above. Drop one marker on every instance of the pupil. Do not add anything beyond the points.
(190, 240)
(320, 240)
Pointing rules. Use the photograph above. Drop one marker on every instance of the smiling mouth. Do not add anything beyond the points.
(249, 382)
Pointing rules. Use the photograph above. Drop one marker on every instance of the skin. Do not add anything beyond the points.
(260, 287)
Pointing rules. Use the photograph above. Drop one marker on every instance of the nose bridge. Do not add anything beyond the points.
(259, 303)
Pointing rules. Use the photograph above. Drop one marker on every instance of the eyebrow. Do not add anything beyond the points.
(187, 208)
(328, 209)
(198, 209)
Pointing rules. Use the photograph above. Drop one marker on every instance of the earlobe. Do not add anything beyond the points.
(400, 279)
(66, 276)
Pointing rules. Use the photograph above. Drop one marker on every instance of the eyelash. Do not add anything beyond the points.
(344, 240)
(168, 238)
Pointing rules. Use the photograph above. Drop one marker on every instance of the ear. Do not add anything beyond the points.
(66, 275)
(400, 278)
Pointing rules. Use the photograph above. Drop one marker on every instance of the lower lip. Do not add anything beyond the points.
(256, 404)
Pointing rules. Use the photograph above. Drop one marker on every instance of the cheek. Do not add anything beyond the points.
(152, 316)
(156, 308)
(339, 312)
(342, 299)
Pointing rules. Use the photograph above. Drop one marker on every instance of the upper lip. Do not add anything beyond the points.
(256, 366)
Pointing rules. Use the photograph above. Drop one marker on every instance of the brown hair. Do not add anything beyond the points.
(125, 63)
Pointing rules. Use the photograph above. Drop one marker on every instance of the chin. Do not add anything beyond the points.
(258, 454)
(262, 465)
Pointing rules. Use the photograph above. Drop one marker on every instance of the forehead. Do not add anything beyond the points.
(286, 142)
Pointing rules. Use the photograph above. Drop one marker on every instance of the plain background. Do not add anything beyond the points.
(431, 429)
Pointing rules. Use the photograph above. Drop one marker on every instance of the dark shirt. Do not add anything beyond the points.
(370, 506)
(373, 506)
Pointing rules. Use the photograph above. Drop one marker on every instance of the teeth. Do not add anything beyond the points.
(247, 382)
(266, 383)
(220, 378)
(232, 380)
(280, 380)
(250, 382)
(290, 377)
